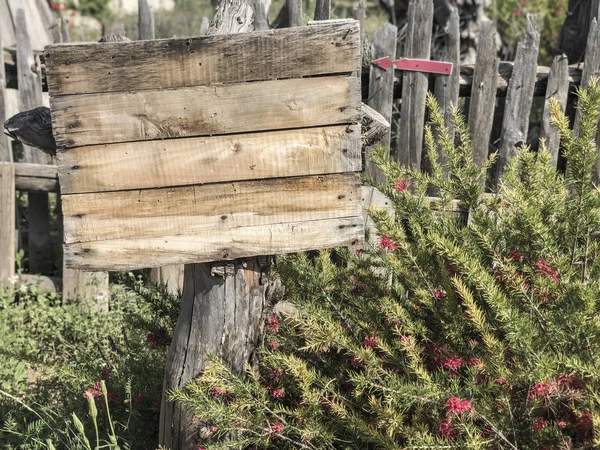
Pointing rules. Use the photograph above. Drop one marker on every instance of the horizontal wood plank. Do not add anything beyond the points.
(125, 166)
(205, 110)
(36, 177)
(192, 210)
(175, 63)
(232, 243)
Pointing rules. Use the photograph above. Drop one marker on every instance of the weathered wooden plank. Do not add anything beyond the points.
(145, 21)
(483, 93)
(7, 223)
(414, 85)
(520, 97)
(5, 147)
(228, 244)
(447, 87)
(381, 85)
(205, 110)
(558, 88)
(373, 126)
(322, 48)
(195, 209)
(36, 177)
(287, 153)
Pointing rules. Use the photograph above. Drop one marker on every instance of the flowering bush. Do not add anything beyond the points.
(478, 334)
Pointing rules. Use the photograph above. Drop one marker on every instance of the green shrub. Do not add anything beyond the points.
(446, 334)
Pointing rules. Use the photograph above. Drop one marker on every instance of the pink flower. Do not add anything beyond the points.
(370, 342)
(201, 448)
(570, 381)
(357, 288)
(273, 324)
(275, 427)
(273, 344)
(446, 431)
(456, 406)
(439, 294)
(215, 391)
(354, 362)
(452, 363)
(561, 424)
(543, 268)
(515, 255)
(386, 243)
(93, 392)
(543, 389)
(402, 185)
(278, 393)
(540, 424)
(500, 381)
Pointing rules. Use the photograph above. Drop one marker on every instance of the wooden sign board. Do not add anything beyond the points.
(210, 148)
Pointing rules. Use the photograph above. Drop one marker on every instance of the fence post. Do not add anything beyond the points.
(295, 12)
(5, 148)
(30, 96)
(483, 92)
(7, 222)
(558, 88)
(519, 97)
(381, 88)
(322, 9)
(414, 85)
(145, 21)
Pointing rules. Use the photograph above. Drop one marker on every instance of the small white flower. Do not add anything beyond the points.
(13, 280)
(23, 289)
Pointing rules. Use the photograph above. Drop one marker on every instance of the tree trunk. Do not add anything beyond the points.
(222, 305)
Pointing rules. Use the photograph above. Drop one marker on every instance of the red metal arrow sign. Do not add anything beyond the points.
(415, 65)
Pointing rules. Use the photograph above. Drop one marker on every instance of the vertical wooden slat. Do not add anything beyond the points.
(30, 96)
(415, 84)
(295, 12)
(172, 276)
(359, 14)
(483, 92)
(145, 21)
(5, 148)
(519, 97)
(322, 9)
(7, 222)
(381, 87)
(447, 87)
(261, 14)
(558, 88)
(64, 29)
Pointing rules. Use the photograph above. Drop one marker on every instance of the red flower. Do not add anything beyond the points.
(402, 185)
(275, 427)
(561, 424)
(273, 344)
(540, 424)
(543, 268)
(543, 389)
(354, 362)
(278, 393)
(515, 255)
(105, 374)
(370, 342)
(456, 406)
(273, 324)
(500, 381)
(475, 362)
(570, 381)
(439, 294)
(452, 363)
(446, 431)
(498, 275)
(93, 392)
(386, 243)
(215, 391)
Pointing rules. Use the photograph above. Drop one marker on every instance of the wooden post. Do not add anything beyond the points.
(414, 84)
(381, 88)
(171, 275)
(5, 148)
(7, 223)
(558, 88)
(261, 14)
(574, 32)
(322, 10)
(359, 14)
(483, 93)
(519, 97)
(447, 87)
(30, 96)
(221, 310)
(295, 12)
(145, 21)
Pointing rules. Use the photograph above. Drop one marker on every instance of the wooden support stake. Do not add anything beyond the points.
(261, 14)
(322, 9)
(295, 12)
(7, 223)
(381, 88)
(447, 87)
(30, 96)
(5, 148)
(409, 145)
(483, 93)
(519, 99)
(558, 88)
(145, 21)
(222, 315)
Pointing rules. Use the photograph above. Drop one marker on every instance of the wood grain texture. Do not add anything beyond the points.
(295, 12)
(145, 21)
(558, 88)
(232, 243)
(326, 48)
(5, 147)
(204, 209)
(409, 144)
(381, 88)
(189, 161)
(36, 177)
(204, 110)
(7, 223)
(483, 93)
(171, 276)
(519, 98)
